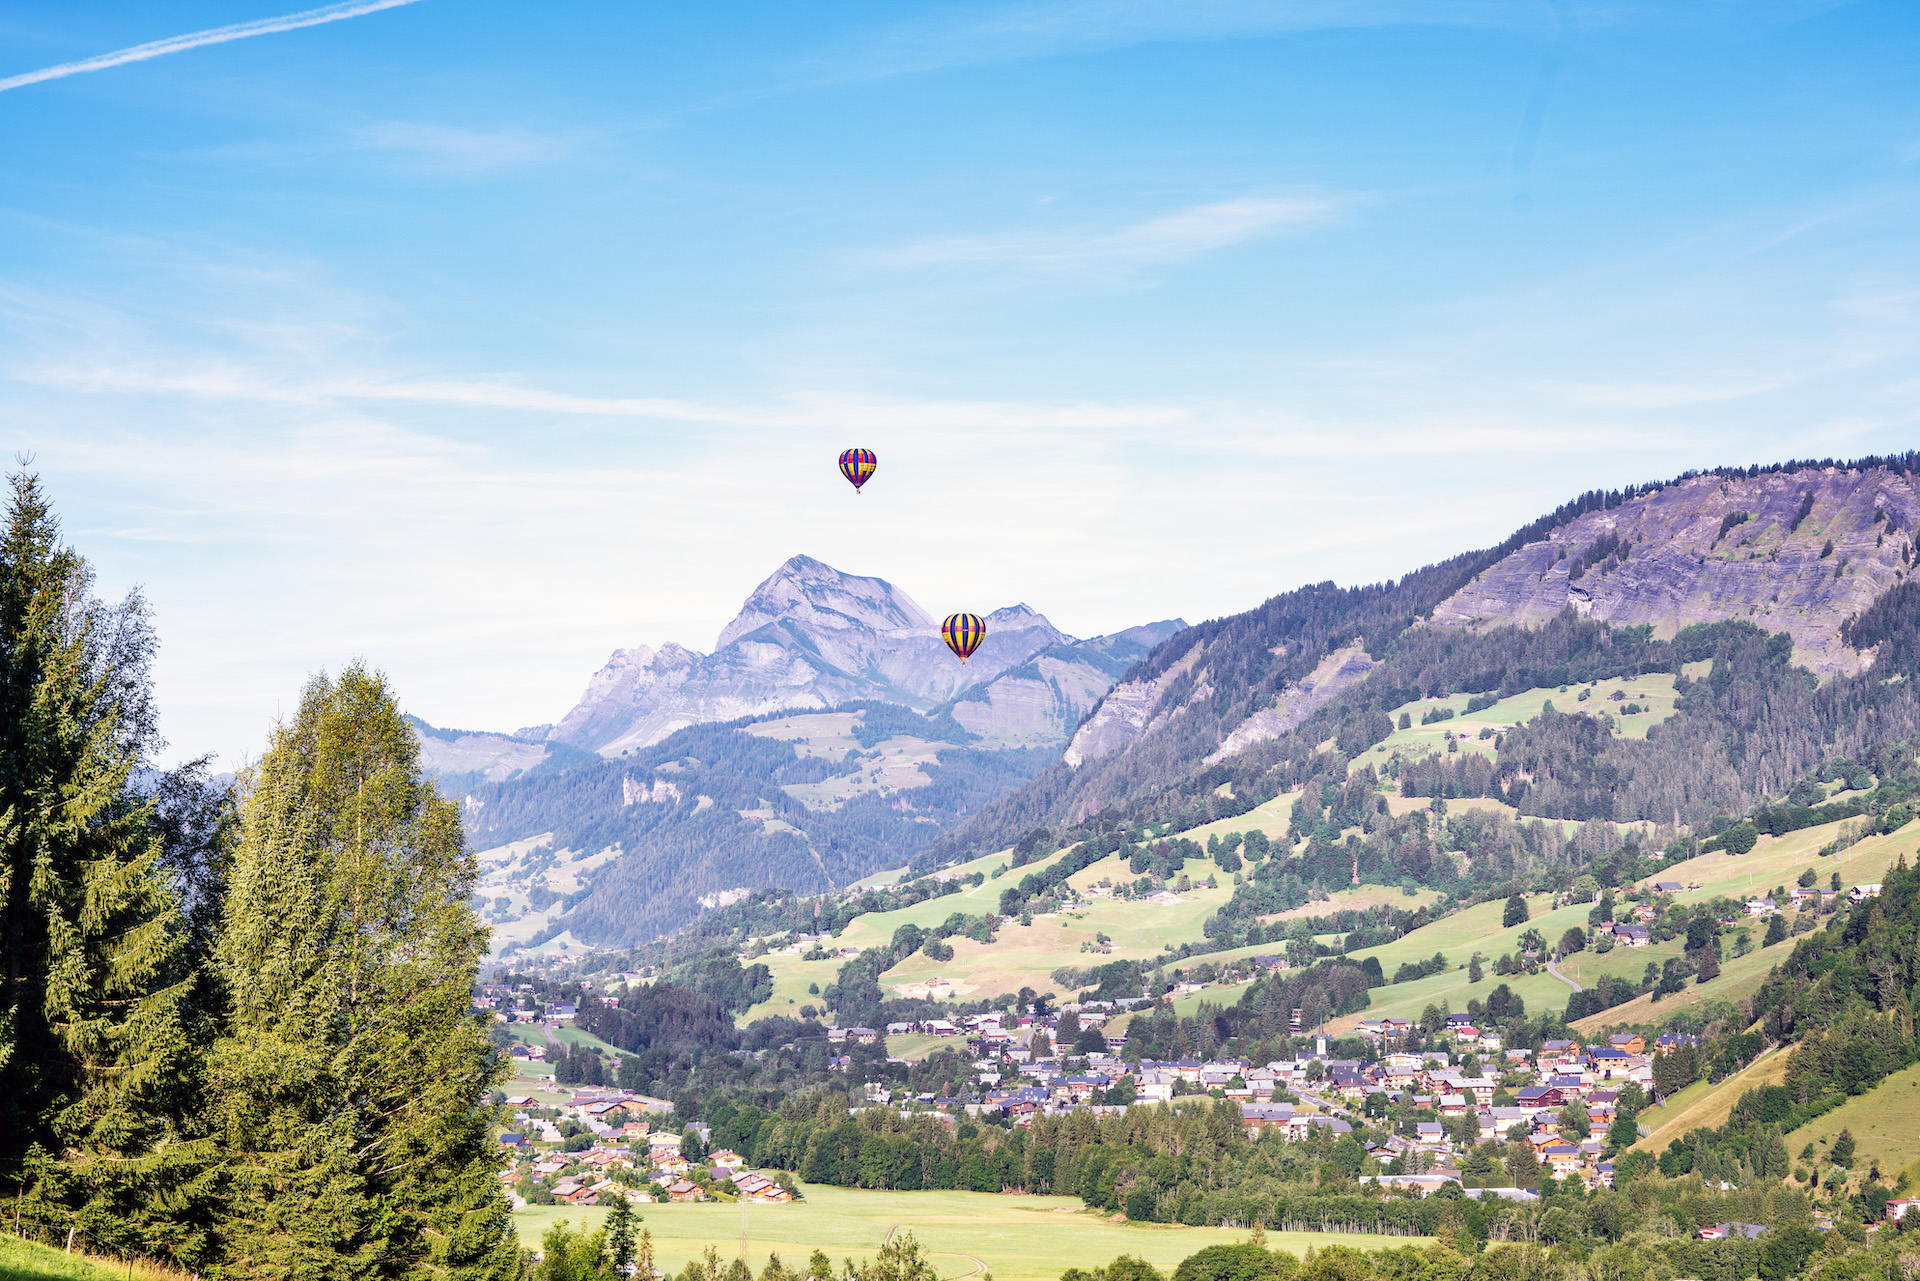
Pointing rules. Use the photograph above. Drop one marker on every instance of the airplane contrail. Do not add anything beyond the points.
(215, 35)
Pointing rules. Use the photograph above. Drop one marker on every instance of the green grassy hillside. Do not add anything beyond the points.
(1704, 1105)
(1027, 955)
(1884, 1122)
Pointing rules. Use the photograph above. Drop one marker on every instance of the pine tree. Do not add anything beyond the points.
(620, 1221)
(349, 1082)
(97, 1062)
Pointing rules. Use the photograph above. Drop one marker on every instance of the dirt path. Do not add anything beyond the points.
(1563, 978)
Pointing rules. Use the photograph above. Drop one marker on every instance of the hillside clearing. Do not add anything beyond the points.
(1706, 1106)
(1885, 1123)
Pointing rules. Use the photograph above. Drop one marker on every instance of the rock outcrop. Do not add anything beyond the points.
(1337, 671)
(1127, 712)
(1799, 552)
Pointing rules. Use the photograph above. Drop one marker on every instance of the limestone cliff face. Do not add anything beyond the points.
(1127, 712)
(633, 682)
(1337, 671)
(812, 636)
(1687, 556)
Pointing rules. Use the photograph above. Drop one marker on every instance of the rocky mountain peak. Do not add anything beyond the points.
(811, 635)
(817, 595)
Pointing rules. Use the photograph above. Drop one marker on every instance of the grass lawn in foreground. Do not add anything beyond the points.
(29, 1261)
(1016, 1238)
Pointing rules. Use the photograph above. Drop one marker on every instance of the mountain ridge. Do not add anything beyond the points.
(1707, 546)
(810, 636)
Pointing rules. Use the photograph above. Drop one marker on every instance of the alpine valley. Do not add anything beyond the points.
(829, 736)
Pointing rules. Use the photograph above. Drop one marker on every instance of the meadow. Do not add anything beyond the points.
(1884, 1122)
(1016, 1238)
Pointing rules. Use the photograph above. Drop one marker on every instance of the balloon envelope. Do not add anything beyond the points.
(963, 633)
(857, 466)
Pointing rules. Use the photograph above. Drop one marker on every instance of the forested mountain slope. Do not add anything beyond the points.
(619, 851)
(1249, 701)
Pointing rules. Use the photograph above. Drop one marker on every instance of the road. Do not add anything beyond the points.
(1563, 978)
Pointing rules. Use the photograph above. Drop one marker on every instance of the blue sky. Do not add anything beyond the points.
(479, 338)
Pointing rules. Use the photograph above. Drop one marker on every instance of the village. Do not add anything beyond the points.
(1429, 1108)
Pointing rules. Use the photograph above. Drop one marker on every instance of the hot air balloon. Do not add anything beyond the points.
(857, 466)
(963, 634)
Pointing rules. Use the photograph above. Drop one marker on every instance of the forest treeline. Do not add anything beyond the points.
(234, 1037)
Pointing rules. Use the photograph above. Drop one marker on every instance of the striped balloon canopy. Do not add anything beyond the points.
(963, 634)
(857, 466)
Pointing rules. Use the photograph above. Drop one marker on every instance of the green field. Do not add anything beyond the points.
(1885, 1122)
(1016, 1238)
(1654, 693)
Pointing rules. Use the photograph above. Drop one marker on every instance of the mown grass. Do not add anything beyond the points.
(1016, 1238)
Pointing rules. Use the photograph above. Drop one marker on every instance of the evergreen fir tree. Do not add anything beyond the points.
(350, 1079)
(620, 1223)
(97, 1060)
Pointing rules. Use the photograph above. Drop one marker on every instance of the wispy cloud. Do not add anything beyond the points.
(976, 35)
(464, 152)
(200, 39)
(1173, 237)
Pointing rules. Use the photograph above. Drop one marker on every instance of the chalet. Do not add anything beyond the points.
(1561, 1157)
(562, 1013)
(727, 1159)
(1861, 893)
(1302, 1122)
(1431, 1133)
(759, 1189)
(1723, 1231)
(1761, 907)
(516, 1141)
(1668, 887)
(567, 1192)
(1256, 1117)
(1540, 1096)
(682, 1190)
(1631, 935)
(1632, 1043)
